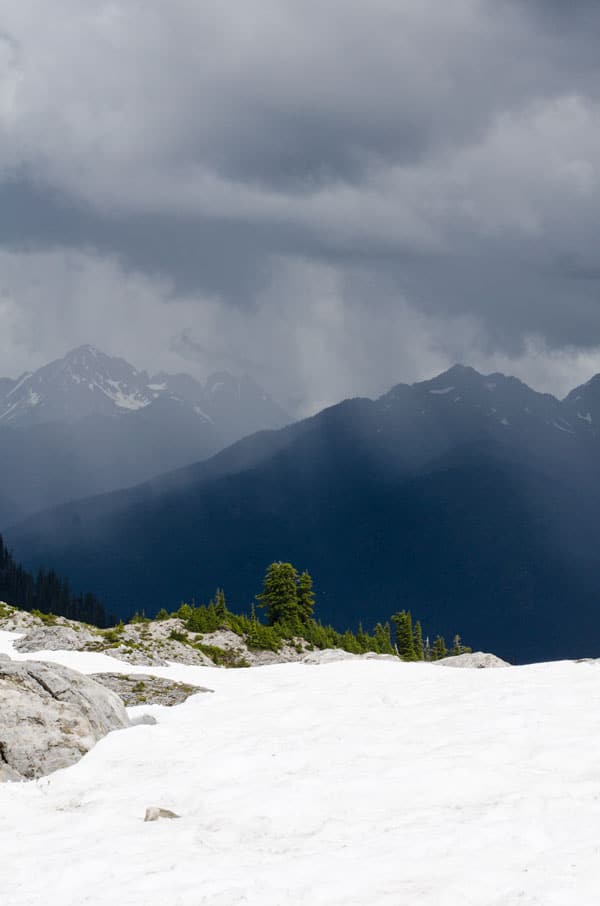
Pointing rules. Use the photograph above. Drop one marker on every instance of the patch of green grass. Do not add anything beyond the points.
(112, 636)
(223, 657)
(49, 619)
(178, 636)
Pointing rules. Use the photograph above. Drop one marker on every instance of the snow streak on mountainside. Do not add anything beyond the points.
(361, 783)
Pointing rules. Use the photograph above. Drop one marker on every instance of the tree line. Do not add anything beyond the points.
(287, 601)
(47, 593)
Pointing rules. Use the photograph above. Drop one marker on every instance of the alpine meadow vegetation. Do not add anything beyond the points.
(288, 602)
(282, 613)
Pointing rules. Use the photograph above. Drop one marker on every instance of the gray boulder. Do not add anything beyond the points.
(54, 638)
(50, 716)
(473, 659)
(331, 655)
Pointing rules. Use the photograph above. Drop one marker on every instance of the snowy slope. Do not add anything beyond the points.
(361, 782)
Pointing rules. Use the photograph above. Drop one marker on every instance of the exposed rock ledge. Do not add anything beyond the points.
(473, 659)
(50, 716)
(142, 689)
(55, 638)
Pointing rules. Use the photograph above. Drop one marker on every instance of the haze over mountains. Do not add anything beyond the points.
(89, 423)
(472, 500)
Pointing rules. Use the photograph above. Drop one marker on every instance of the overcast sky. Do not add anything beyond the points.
(331, 195)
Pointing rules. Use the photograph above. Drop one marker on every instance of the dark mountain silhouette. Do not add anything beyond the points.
(470, 499)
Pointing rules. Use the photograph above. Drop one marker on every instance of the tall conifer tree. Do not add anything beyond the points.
(383, 639)
(280, 594)
(306, 597)
(439, 649)
(418, 641)
(220, 603)
(404, 635)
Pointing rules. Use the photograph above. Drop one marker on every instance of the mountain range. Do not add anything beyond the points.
(470, 499)
(89, 423)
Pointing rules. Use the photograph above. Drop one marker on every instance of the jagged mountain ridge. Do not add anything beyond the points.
(87, 382)
(469, 495)
(90, 423)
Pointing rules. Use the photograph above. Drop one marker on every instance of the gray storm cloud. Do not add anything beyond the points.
(333, 196)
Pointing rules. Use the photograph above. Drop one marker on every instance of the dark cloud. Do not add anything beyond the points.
(575, 15)
(221, 257)
(303, 181)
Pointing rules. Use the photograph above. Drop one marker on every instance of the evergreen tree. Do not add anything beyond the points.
(279, 596)
(404, 635)
(47, 593)
(418, 641)
(458, 647)
(382, 638)
(439, 649)
(362, 638)
(220, 604)
(305, 597)
(349, 642)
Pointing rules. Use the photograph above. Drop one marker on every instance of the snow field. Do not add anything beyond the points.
(360, 782)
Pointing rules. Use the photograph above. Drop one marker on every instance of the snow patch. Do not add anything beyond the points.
(7, 412)
(20, 383)
(562, 428)
(442, 391)
(122, 398)
(203, 414)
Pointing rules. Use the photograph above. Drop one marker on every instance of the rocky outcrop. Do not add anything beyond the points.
(331, 655)
(142, 689)
(153, 813)
(158, 643)
(473, 659)
(54, 638)
(50, 716)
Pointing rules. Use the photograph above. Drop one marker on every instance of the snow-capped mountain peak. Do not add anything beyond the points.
(87, 382)
(84, 382)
